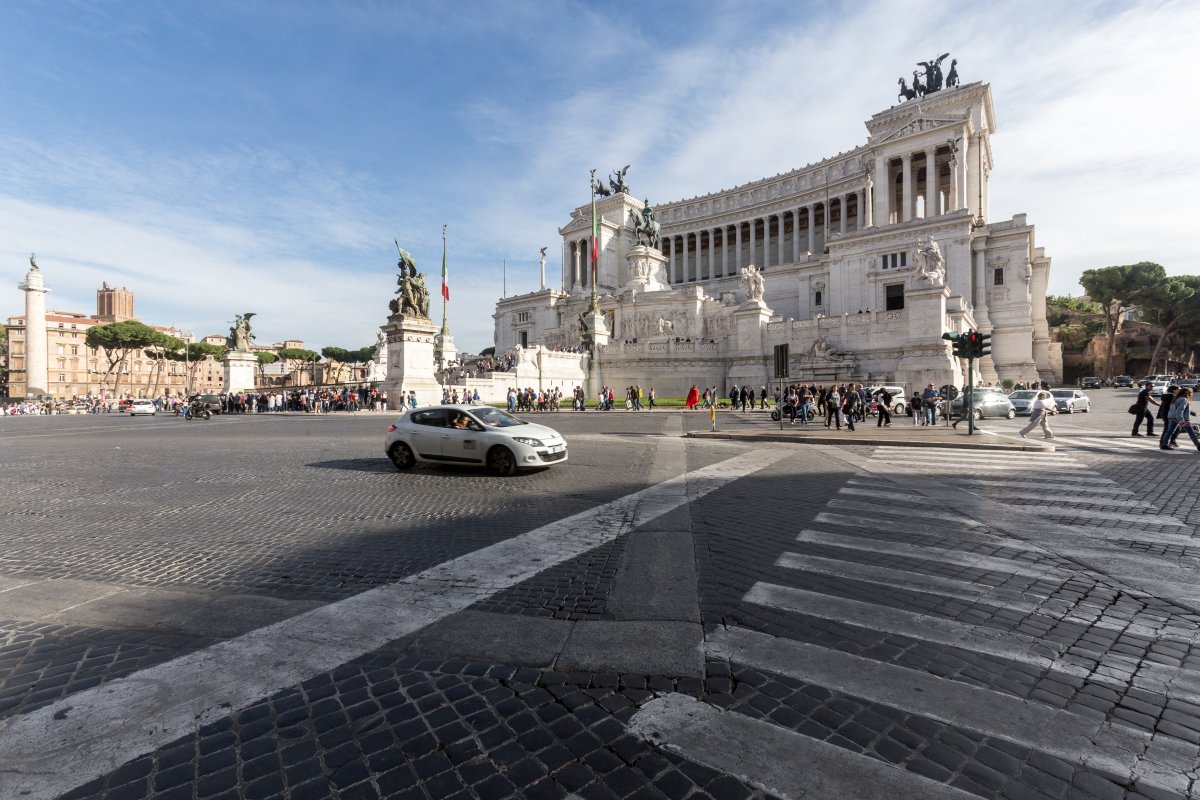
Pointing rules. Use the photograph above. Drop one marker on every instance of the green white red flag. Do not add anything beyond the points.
(445, 276)
(595, 236)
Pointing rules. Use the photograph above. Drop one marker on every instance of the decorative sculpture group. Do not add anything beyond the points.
(752, 282)
(930, 262)
(933, 78)
(616, 184)
(239, 334)
(411, 295)
(645, 226)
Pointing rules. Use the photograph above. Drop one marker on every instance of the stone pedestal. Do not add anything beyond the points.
(239, 371)
(444, 350)
(594, 328)
(647, 270)
(410, 360)
(928, 357)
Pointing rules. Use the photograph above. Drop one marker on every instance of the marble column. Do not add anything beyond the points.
(753, 258)
(700, 255)
(575, 282)
(844, 215)
(931, 182)
(881, 205)
(37, 348)
(782, 240)
(724, 250)
(952, 192)
(812, 228)
(906, 194)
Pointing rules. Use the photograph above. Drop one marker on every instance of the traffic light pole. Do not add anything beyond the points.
(969, 400)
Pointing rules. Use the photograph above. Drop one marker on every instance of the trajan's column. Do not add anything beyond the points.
(36, 361)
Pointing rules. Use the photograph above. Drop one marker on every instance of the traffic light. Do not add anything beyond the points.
(958, 343)
(983, 344)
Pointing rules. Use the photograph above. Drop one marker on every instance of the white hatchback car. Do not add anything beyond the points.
(477, 435)
(142, 407)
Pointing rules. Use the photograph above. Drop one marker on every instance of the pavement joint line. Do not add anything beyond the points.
(1178, 684)
(1165, 764)
(780, 762)
(1032, 530)
(53, 749)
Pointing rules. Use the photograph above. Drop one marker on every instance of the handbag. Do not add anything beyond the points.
(1133, 409)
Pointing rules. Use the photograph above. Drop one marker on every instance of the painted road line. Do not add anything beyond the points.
(1112, 670)
(873, 521)
(909, 581)
(1143, 519)
(890, 508)
(925, 553)
(1073, 498)
(51, 750)
(933, 456)
(1079, 739)
(779, 762)
(1016, 483)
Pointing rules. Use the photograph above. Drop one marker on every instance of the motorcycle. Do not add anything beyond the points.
(203, 413)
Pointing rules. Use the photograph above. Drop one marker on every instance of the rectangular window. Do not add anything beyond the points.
(522, 316)
(62, 378)
(893, 297)
(74, 349)
(817, 298)
(998, 276)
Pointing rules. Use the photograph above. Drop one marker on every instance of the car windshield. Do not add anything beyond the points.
(1024, 394)
(1063, 393)
(496, 418)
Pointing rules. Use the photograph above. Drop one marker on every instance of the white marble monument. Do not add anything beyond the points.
(37, 360)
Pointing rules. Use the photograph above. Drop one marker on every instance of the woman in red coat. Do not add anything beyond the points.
(693, 397)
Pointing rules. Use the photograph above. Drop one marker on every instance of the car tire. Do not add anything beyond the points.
(402, 456)
(976, 414)
(1086, 410)
(501, 461)
(1071, 409)
(900, 409)
(1012, 414)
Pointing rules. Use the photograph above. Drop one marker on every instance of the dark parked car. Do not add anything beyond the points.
(1123, 381)
(210, 401)
(1090, 383)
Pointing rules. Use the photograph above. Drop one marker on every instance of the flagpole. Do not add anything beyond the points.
(445, 327)
(595, 241)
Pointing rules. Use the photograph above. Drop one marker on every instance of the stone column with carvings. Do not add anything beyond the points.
(906, 194)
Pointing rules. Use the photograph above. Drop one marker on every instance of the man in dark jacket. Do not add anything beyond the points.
(1143, 411)
(1164, 408)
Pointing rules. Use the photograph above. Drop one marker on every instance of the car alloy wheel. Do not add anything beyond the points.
(1012, 413)
(976, 414)
(402, 456)
(501, 462)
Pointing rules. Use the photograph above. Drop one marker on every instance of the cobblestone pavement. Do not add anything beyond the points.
(657, 617)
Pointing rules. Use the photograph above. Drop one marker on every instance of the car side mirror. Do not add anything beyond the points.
(475, 426)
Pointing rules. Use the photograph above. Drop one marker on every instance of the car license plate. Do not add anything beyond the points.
(557, 448)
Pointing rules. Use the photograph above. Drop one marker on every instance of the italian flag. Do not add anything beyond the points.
(445, 277)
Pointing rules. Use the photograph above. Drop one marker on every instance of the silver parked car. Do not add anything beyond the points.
(477, 435)
(1022, 399)
(1070, 400)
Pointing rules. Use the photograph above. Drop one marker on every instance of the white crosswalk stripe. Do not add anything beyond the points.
(874, 533)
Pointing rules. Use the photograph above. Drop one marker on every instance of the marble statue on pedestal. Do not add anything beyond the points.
(930, 263)
(752, 282)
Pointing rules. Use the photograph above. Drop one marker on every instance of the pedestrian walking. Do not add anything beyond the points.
(929, 399)
(1179, 419)
(1167, 440)
(650, 398)
(1142, 411)
(1039, 413)
(883, 409)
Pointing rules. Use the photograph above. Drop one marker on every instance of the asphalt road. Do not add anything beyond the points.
(263, 607)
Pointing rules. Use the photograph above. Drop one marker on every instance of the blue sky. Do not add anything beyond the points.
(217, 158)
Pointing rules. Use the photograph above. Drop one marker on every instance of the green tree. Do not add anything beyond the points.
(1118, 289)
(119, 340)
(1173, 303)
(264, 357)
(300, 354)
(159, 353)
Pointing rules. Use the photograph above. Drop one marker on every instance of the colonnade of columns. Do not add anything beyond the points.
(766, 241)
(920, 184)
(578, 272)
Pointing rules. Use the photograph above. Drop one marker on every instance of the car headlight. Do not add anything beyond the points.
(527, 440)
